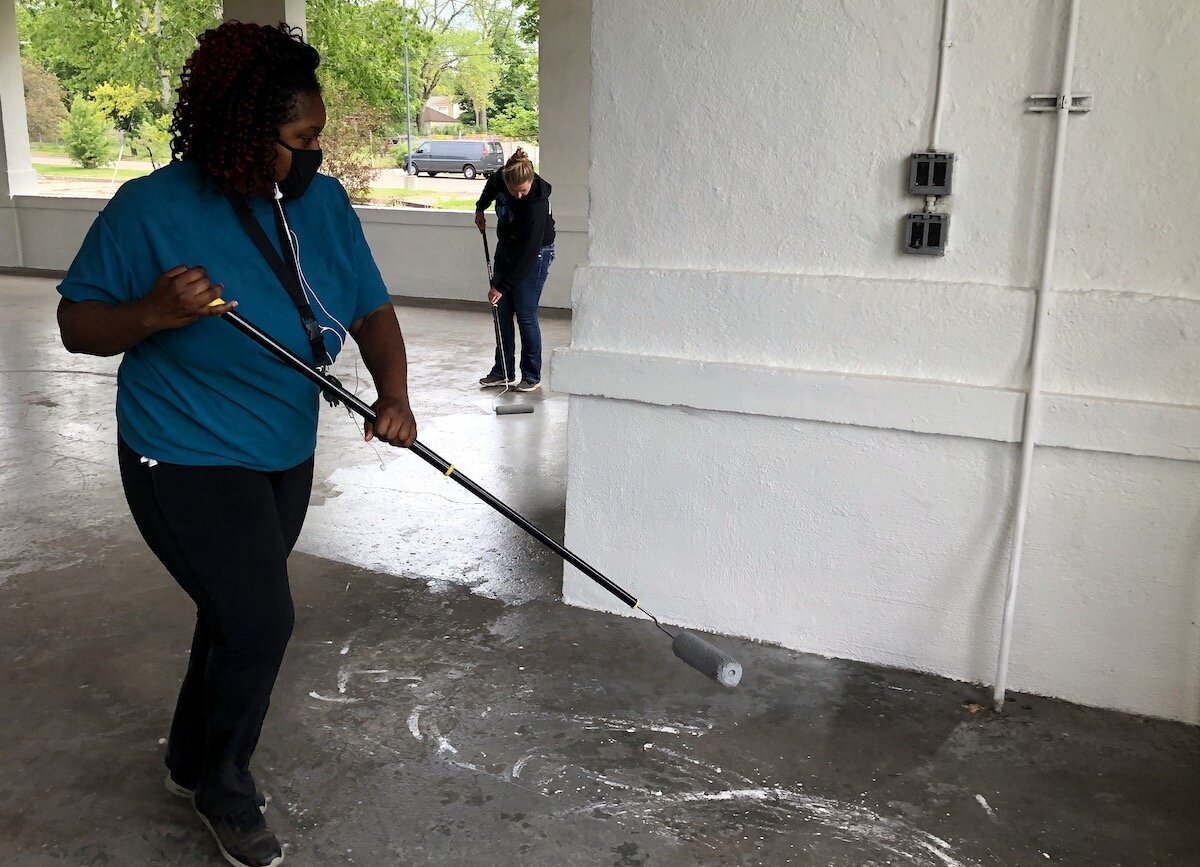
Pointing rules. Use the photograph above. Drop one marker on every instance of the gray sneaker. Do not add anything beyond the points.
(527, 385)
(495, 381)
(246, 843)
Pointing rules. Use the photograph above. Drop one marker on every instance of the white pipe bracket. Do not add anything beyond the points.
(1081, 103)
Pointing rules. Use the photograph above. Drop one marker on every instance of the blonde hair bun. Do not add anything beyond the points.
(519, 169)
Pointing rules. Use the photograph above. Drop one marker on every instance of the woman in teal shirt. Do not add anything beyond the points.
(216, 436)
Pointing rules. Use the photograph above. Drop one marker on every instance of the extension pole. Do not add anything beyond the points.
(330, 384)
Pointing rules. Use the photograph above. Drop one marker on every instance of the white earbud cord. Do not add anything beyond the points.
(294, 241)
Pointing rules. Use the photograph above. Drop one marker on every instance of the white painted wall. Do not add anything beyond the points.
(783, 428)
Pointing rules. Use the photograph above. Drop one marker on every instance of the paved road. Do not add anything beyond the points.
(394, 178)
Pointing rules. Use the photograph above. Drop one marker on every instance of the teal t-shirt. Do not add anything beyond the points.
(205, 394)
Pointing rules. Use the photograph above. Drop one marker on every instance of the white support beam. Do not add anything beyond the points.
(268, 12)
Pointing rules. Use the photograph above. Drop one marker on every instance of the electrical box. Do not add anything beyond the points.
(925, 234)
(929, 174)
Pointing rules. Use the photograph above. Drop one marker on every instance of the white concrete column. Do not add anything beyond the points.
(16, 169)
(268, 12)
(565, 76)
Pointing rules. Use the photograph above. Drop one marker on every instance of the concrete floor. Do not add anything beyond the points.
(438, 704)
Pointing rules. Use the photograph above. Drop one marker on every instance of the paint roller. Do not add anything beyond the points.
(504, 408)
(691, 648)
(501, 408)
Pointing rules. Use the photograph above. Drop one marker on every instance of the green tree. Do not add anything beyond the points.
(124, 104)
(529, 19)
(348, 140)
(477, 75)
(44, 107)
(140, 43)
(518, 84)
(430, 64)
(493, 19)
(517, 122)
(152, 140)
(362, 49)
(88, 134)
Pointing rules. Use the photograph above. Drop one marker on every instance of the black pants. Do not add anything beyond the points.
(224, 533)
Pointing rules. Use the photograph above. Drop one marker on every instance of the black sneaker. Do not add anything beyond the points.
(183, 791)
(494, 380)
(527, 385)
(245, 844)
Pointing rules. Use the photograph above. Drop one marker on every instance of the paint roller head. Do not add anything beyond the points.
(513, 408)
(706, 659)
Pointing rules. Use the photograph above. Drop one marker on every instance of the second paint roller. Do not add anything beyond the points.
(501, 408)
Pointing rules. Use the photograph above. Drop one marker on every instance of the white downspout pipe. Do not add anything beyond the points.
(1031, 427)
(939, 93)
(944, 43)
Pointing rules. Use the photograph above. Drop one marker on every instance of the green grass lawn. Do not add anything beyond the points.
(458, 204)
(398, 192)
(45, 147)
(385, 195)
(102, 173)
(395, 193)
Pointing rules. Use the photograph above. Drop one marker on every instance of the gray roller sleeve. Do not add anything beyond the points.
(705, 658)
(513, 409)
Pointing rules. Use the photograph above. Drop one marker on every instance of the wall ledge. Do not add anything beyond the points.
(1071, 421)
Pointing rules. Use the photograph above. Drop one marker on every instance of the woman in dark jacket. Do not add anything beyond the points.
(525, 230)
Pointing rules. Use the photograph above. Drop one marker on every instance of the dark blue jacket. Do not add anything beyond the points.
(523, 227)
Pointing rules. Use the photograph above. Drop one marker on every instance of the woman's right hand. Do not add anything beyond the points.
(180, 297)
(480, 221)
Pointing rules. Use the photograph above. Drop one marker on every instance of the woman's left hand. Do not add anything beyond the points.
(394, 422)
(493, 296)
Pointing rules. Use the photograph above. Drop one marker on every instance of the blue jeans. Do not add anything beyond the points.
(523, 302)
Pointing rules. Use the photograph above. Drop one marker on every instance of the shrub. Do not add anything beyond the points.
(88, 134)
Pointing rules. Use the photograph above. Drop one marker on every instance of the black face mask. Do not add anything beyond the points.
(304, 167)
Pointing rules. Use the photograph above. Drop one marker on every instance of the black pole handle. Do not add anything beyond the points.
(330, 385)
(487, 254)
(495, 308)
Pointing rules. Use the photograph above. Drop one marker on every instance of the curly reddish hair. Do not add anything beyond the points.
(240, 84)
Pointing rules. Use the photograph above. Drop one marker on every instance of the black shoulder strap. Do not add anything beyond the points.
(288, 274)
